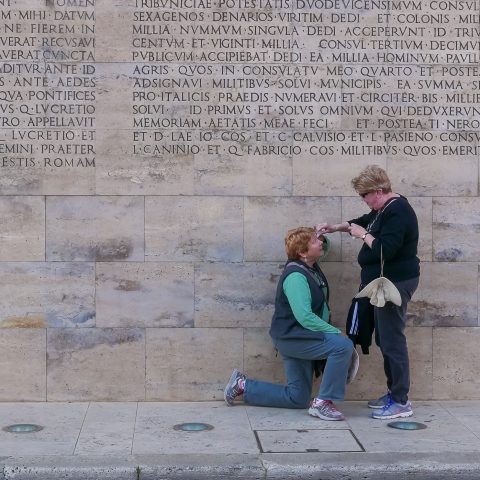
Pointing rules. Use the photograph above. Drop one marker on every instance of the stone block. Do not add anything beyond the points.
(22, 223)
(144, 295)
(235, 295)
(456, 223)
(96, 364)
(242, 173)
(194, 229)
(260, 360)
(40, 295)
(264, 241)
(186, 364)
(371, 383)
(98, 229)
(128, 169)
(426, 176)
(455, 363)
(446, 296)
(328, 175)
(23, 365)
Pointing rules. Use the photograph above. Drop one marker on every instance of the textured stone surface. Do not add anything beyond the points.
(191, 363)
(235, 295)
(98, 229)
(39, 295)
(456, 223)
(22, 364)
(153, 155)
(455, 374)
(446, 295)
(193, 229)
(96, 364)
(22, 223)
(144, 295)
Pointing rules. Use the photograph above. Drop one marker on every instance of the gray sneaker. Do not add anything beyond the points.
(393, 410)
(232, 388)
(326, 410)
(380, 402)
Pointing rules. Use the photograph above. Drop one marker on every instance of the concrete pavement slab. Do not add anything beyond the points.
(154, 432)
(62, 423)
(108, 427)
(137, 441)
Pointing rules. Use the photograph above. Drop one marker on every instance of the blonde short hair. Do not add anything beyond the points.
(296, 241)
(372, 178)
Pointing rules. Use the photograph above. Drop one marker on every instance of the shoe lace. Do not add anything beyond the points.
(388, 404)
(330, 405)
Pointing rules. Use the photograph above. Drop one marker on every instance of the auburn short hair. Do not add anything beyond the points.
(296, 241)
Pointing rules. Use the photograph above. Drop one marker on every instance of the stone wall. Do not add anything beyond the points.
(154, 152)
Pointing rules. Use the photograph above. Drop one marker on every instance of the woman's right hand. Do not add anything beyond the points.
(324, 228)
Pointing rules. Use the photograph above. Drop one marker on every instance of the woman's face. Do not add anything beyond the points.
(315, 249)
(373, 199)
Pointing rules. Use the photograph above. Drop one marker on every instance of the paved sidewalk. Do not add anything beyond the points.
(137, 441)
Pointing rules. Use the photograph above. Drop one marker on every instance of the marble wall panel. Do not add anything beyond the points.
(425, 176)
(23, 364)
(455, 362)
(265, 241)
(370, 381)
(446, 296)
(249, 172)
(194, 229)
(98, 228)
(96, 364)
(39, 295)
(260, 360)
(122, 171)
(22, 223)
(235, 295)
(186, 364)
(355, 207)
(456, 224)
(144, 295)
(328, 175)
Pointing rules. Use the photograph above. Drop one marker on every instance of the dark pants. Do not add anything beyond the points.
(390, 323)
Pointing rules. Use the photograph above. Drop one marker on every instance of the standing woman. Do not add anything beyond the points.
(391, 230)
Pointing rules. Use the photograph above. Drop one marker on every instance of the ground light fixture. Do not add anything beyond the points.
(22, 428)
(407, 425)
(193, 427)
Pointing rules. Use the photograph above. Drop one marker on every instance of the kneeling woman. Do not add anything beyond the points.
(302, 333)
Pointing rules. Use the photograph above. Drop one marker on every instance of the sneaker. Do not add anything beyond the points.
(233, 388)
(326, 410)
(393, 410)
(380, 402)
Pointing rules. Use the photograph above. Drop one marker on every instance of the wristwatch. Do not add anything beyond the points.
(364, 235)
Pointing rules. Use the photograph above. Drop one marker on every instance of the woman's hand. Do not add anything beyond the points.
(330, 228)
(356, 231)
(324, 228)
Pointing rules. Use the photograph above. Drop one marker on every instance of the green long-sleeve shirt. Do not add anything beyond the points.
(296, 288)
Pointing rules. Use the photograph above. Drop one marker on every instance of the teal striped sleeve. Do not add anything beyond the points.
(296, 288)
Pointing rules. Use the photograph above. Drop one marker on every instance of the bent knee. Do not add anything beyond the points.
(300, 399)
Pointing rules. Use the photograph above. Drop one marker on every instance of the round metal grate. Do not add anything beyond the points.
(23, 428)
(407, 425)
(193, 427)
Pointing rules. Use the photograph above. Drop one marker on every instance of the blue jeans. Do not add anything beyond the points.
(298, 358)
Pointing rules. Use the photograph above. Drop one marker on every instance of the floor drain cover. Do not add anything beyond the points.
(407, 425)
(193, 427)
(23, 428)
